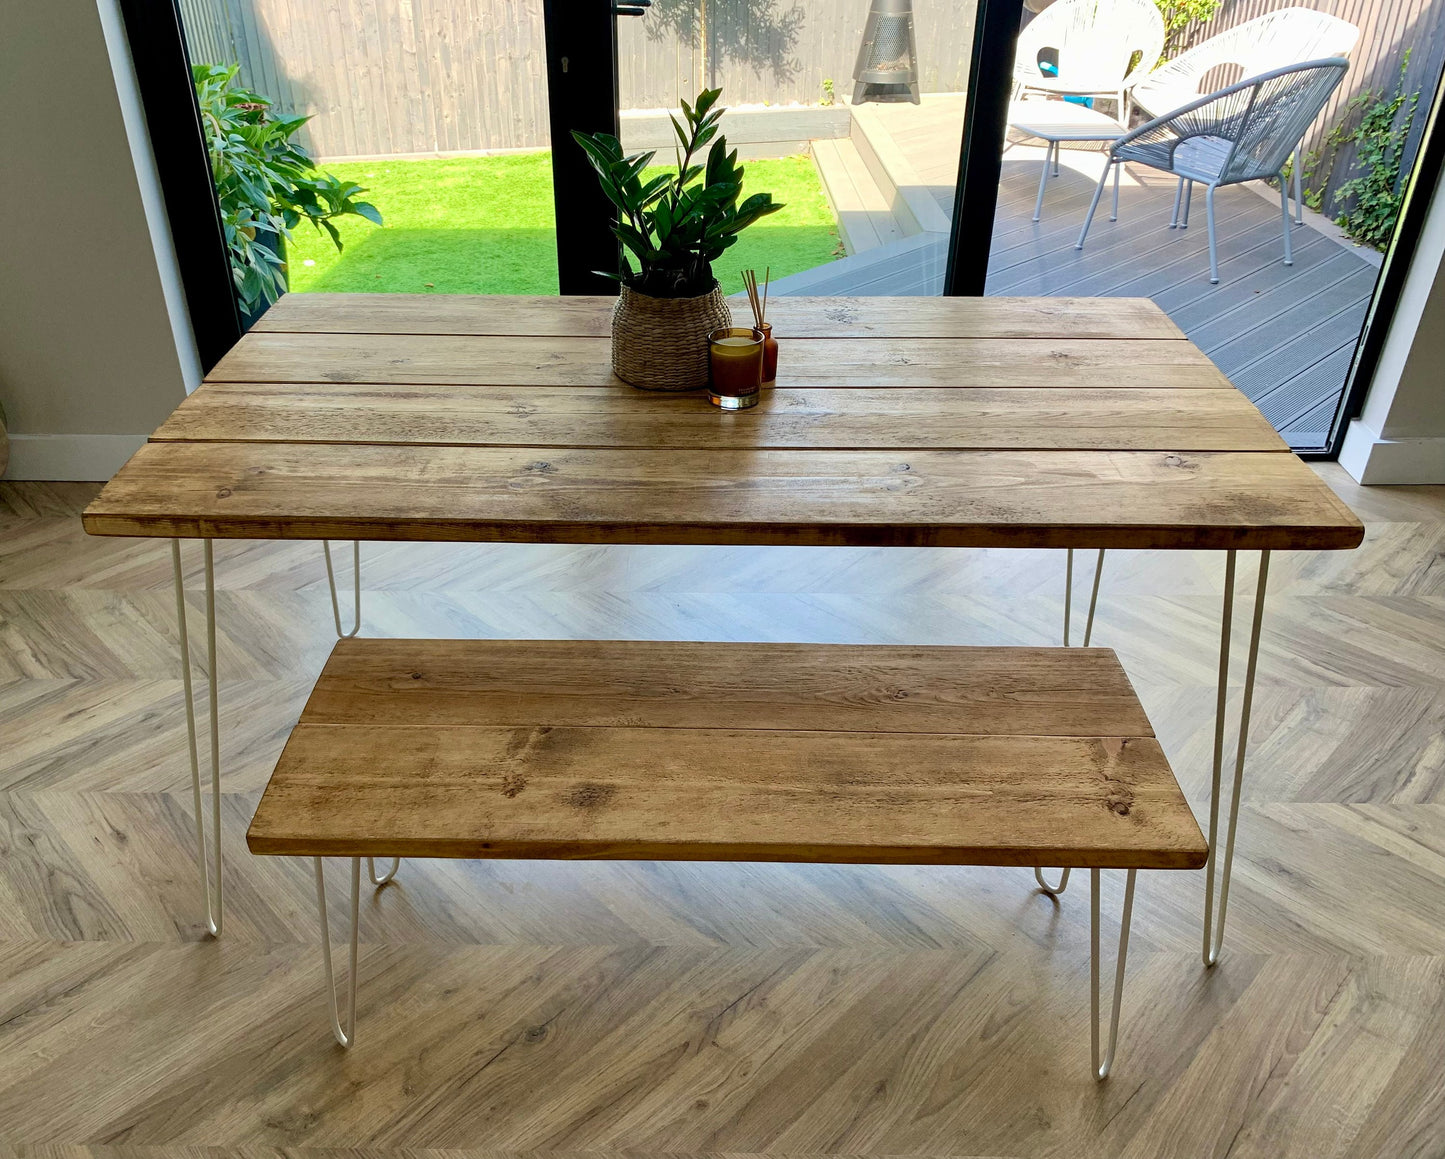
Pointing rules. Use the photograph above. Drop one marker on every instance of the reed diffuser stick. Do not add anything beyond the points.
(759, 305)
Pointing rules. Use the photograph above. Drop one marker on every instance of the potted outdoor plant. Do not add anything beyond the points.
(674, 226)
(266, 184)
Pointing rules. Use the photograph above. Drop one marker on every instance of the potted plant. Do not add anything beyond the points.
(266, 184)
(674, 226)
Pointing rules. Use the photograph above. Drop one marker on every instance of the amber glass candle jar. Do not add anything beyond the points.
(735, 356)
(770, 354)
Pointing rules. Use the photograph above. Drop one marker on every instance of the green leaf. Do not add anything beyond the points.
(655, 188)
(705, 100)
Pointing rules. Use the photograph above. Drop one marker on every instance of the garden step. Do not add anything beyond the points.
(865, 217)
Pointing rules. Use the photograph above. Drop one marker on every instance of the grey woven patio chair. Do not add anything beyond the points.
(1275, 40)
(1242, 133)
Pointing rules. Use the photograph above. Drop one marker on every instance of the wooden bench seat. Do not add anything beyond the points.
(758, 752)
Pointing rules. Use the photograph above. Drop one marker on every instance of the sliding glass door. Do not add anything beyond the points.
(1277, 302)
(424, 146)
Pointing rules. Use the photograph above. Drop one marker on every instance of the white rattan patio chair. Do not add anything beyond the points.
(1101, 48)
(1242, 133)
(1289, 36)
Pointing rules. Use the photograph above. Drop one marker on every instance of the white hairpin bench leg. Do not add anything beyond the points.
(1052, 890)
(356, 589)
(1214, 931)
(1102, 1066)
(343, 1026)
(211, 894)
(385, 877)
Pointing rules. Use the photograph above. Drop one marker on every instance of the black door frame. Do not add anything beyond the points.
(985, 131)
(173, 118)
(1424, 178)
(581, 38)
(581, 57)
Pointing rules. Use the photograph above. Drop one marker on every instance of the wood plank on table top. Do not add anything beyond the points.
(671, 684)
(828, 317)
(870, 362)
(802, 752)
(1115, 499)
(537, 416)
(725, 795)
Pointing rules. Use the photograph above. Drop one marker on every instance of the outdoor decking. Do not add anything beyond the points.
(1283, 334)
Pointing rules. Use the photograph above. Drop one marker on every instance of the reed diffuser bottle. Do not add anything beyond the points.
(759, 304)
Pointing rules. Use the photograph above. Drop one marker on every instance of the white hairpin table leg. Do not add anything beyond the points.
(1055, 890)
(356, 588)
(211, 893)
(1094, 598)
(1214, 931)
(355, 628)
(343, 1025)
(1102, 1066)
(1069, 596)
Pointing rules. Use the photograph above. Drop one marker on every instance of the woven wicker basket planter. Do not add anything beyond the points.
(661, 343)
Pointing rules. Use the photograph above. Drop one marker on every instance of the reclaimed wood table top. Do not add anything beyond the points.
(734, 752)
(968, 422)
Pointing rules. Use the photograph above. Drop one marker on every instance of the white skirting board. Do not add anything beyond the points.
(70, 458)
(1372, 459)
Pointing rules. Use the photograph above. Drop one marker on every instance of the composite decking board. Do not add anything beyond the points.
(1113, 499)
(1277, 348)
(1303, 392)
(893, 418)
(1114, 253)
(1244, 278)
(797, 317)
(1038, 258)
(1313, 427)
(661, 750)
(1244, 273)
(1108, 263)
(888, 259)
(1340, 329)
(1247, 335)
(1110, 246)
(586, 362)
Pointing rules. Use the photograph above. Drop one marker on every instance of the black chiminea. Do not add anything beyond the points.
(887, 68)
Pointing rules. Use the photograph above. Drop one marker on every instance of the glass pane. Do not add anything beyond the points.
(438, 111)
(1283, 333)
(849, 112)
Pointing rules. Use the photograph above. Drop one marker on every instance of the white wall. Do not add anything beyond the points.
(1400, 434)
(94, 347)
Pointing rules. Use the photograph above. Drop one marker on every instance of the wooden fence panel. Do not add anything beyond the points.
(388, 77)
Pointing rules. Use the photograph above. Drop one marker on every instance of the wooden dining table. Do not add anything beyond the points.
(1062, 423)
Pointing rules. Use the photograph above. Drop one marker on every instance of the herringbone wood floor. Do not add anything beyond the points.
(745, 1009)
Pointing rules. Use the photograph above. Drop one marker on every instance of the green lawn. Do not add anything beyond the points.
(485, 225)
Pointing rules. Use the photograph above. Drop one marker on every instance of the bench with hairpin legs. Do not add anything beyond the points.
(727, 752)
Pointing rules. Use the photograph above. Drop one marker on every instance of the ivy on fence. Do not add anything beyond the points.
(1378, 126)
